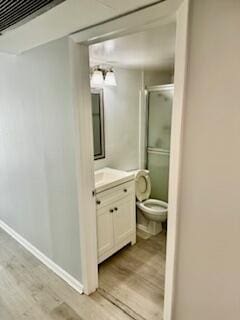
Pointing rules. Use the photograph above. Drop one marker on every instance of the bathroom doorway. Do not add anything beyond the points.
(131, 210)
(79, 56)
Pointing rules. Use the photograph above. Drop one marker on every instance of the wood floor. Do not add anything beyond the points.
(29, 290)
(133, 279)
(131, 286)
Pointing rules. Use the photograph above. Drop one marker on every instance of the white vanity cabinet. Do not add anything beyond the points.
(116, 219)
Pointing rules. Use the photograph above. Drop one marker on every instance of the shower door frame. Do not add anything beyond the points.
(148, 90)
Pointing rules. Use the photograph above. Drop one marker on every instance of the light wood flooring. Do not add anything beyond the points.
(29, 290)
(131, 286)
(133, 279)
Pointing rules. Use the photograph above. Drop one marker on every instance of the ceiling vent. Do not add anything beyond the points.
(14, 13)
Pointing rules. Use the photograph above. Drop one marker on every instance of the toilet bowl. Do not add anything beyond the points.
(150, 212)
(155, 210)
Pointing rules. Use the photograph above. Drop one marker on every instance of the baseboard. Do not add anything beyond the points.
(74, 283)
(154, 232)
(143, 228)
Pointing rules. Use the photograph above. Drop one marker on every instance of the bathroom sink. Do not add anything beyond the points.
(107, 178)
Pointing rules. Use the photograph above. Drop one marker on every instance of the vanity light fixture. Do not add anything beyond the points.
(101, 76)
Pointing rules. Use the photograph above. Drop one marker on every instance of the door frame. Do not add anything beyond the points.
(153, 16)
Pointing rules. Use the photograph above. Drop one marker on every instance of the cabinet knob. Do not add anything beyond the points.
(125, 190)
(116, 209)
(98, 202)
(111, 210)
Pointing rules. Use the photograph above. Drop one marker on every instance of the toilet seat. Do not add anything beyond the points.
(153, 207)
(142, 185)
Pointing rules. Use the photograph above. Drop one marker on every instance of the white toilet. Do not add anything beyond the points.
(150, 212)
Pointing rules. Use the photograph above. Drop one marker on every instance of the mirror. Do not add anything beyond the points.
(98, 123)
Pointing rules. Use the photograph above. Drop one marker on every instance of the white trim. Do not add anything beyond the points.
(151, 17)
(81, 92)
(74, 283)
(175, 155)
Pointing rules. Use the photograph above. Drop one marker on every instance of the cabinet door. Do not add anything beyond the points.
(123, 219)
(105, 230)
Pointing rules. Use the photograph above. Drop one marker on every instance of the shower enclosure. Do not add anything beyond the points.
(159, 116)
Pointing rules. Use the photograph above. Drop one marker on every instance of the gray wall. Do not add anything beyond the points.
(208, 269)
(38, 194)
(154, 78)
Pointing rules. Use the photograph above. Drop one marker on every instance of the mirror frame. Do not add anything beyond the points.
(100, 92)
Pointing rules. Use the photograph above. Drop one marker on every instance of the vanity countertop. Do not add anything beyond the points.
(107, 178)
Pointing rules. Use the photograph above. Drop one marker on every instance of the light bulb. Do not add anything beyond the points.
(97, 78)
(110, 79)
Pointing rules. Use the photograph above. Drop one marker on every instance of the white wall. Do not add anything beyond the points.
(38, 193)
(121, 107)
(208, 261)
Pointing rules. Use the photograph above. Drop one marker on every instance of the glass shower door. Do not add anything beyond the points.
(158, 139)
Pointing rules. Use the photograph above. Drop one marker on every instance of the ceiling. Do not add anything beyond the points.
(148, 50)
(64, 19)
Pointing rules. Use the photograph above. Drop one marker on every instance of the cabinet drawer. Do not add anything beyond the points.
(121, 191)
